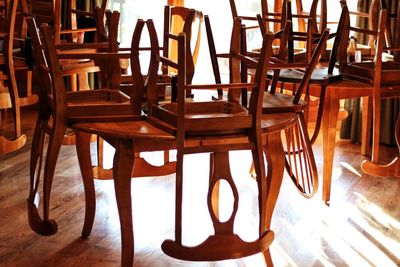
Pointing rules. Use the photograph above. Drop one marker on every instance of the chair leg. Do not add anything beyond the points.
(40, 226)
(376, 124)
(85, 164)
(366, 121)
(122, 170)
(46, 226)
(178, 196)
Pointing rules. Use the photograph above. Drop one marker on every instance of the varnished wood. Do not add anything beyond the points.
(60, 111)
(385, 81)
(391, 169)
(214, 121)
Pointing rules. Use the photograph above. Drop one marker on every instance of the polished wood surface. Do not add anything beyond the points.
(360, 228)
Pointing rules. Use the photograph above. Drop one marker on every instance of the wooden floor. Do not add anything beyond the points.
(361, 228)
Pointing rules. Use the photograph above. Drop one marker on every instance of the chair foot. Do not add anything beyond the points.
(389, 170)
(8, 146)
(28, 101)
(214, 248)
(37, 224)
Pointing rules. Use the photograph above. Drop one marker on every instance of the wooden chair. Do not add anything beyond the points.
(296, 149)
(72, 107)
(10, 64)
(382, 73)
(54, 118)
(300, 162)
(216, 127)
(128, 137)
(391, 169)
(51, 12)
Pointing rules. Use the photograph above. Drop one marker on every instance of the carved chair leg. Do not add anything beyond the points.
(85, 164)
(40, 226)
(122, 170)
(45, 226)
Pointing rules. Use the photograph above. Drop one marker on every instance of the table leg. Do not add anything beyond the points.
(366, 126)
(122, 170)
(329, 121)
(276, 164)
(85, 164)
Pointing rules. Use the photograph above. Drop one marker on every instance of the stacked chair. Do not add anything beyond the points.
(14, 58)
(382, 74)
(54, 118)
(300, 162)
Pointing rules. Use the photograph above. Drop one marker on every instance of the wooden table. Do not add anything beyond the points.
(138, 136)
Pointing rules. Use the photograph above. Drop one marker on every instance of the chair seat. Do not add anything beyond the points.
(19, 63)
(204, 118)
(276, 122)
(320, 75)
(135, 129)
(98, 105)
(282, 103)
(365, 71)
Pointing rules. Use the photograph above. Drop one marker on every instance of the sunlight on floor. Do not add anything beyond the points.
(354, 232)
(350, 168)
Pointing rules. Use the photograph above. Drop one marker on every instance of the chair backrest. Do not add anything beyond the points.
(52, 87)
(350, 69)
(144, 84)
(319, 21)
(10, 13)
(51, 12)
(277, 18)
(53, 93)
(392, 32)
(45, 88)
(187, 17)
(234, 87)
(308, 66)
(74, 14)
